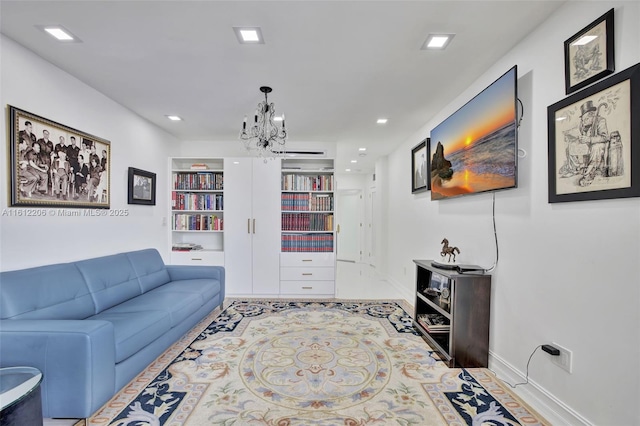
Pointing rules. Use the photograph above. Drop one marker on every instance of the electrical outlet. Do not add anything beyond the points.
(564, 360)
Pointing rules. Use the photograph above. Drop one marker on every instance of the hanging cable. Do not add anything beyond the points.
(495, 235)
(526, 382)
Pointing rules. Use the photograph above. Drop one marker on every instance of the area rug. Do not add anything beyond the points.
(319, 362)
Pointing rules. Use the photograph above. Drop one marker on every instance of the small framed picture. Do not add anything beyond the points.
(142, 187)
(594, 141)
(420, 179)
(589, 54)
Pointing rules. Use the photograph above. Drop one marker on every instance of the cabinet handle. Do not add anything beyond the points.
(307, 273)
(254, 226)
(196, 258)
(307, 288)
(307, 260)
(248, 226)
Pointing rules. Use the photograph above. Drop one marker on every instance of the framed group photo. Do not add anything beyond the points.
(420, 178)
(589, 54)
(53, 165)
(594, 141)
(142, 187)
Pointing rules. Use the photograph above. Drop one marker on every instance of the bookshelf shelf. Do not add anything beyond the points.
(452, 312)
(197, 210)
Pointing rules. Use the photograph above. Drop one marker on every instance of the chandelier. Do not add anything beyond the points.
(264, 136)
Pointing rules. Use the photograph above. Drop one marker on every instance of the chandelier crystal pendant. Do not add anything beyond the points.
(264, 136)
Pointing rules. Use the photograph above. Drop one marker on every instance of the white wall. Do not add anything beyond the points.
(568, 272)
(34, 85)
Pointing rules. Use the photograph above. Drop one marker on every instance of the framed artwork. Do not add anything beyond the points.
(420, 179)
(594, 141)
(53, 165)
(142, 187)
(589, 54)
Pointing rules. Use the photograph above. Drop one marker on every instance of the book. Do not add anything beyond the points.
(434, 323)
(199, 166)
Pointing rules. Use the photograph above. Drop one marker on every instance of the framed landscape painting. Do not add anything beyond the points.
(594, 141)
(53, 165)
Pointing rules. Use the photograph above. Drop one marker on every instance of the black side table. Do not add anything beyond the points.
(20, 400)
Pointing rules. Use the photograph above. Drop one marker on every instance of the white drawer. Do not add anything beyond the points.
(307, 259)
(198, 257)
(307, 274)
(307, 287)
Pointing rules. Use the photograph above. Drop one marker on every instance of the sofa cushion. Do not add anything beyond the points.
(205, 288)
(150, 268)
(45, 292)
(134, 330)
(178, 305)
(111, 280)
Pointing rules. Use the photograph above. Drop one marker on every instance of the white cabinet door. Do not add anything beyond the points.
(266, 232)
(252, 226)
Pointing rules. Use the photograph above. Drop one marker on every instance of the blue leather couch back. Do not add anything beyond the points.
(37, 293)
(90, 286)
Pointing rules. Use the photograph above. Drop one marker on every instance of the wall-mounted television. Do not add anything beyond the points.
(476, 148)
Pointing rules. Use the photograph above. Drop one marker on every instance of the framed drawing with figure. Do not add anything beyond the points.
(53, 165)
(142, 187)
(594, 141)
(589, 54)
(420, 179)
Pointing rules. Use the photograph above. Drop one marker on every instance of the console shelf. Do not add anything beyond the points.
(452, 312)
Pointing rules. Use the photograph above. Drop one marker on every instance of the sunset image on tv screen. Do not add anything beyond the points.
(474, 150)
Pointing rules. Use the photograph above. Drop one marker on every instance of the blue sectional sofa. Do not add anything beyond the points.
(91, 326)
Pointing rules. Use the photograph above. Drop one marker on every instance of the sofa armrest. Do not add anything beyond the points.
(190, 272)
(76, 358)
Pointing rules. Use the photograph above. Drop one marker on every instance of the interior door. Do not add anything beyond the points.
(348, 213)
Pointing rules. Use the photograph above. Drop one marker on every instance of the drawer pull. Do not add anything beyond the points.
(307, 288)
(307, 260)
(307, 273)
(196, 258)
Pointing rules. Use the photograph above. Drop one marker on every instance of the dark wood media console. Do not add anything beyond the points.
(452, 312)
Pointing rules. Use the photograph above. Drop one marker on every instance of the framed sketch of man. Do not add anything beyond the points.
(54, 165)
(142, 187)
(420, 179)
(589, 54)
(593, 141)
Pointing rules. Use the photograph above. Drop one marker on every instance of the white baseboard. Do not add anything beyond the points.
(547, 405)
(403, 293)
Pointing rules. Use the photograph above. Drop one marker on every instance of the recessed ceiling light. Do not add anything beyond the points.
(59, 33)
(249, 35)
(174, 118)
(437, 41)
(584, 40)
(382, 121)
(354, 161)
(347, 170)
(362, 149)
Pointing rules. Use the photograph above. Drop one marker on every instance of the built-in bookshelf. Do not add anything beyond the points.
(307, 259)
(197, 211)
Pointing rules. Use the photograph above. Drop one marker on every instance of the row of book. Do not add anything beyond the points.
(307, 202)
(307, 221)
(307, 243)
(196, 222)
(297, 182)
(196, 201)
(203, 181)
(434, 323)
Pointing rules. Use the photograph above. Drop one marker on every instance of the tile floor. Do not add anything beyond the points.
(353, 281)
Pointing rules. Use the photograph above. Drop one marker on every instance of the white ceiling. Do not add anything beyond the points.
(335, 66)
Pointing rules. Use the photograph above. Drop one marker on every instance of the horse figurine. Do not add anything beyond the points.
(446, 250)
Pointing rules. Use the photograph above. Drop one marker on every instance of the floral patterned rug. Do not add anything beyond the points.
(322, 362)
